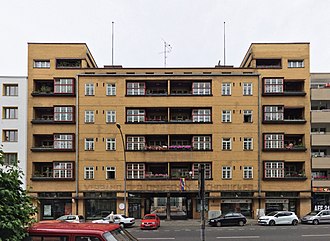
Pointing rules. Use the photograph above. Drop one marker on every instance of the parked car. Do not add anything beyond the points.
(74, 231)
(72, 218)
(150, 221)
(117, 218)
(279, 217)
(228, 219)
(316, 217)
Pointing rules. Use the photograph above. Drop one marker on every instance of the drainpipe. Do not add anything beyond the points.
(260, 141)
(77, 143)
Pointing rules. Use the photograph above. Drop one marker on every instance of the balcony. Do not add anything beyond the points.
(52, 171)
(321, 182)
(283, 115)
(55, 87)
(320, 162)
(177, 143)
(320, 139)
(269, 63)
(53, 143)
(320, 94)
(285, 171)
(166, 171)
(291, 143)
(320, 116)
(53, 115)
(283, 87)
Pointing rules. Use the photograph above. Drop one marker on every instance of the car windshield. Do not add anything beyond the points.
(118, 235)
(149, 217)
(271, 214)
(313, 213)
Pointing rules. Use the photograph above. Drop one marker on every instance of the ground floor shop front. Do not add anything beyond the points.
(170, 205)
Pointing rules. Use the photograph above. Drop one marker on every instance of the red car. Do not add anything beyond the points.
(150, 221)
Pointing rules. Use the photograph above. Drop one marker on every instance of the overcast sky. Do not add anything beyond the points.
(194, 29)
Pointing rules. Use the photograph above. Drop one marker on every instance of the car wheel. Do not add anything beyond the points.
(122, 225)
(271, 223)
(315, 222)
(294, 222)
(218, 224)
(241, 223)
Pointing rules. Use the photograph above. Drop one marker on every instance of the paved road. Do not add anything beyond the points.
(190, 231)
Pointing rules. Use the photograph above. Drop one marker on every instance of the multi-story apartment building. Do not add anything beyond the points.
(248, 126)
(320, 150)
(13, 121)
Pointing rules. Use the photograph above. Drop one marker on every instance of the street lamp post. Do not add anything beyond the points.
(124, 148)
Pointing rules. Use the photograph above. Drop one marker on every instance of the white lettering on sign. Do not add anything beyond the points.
(321, 207)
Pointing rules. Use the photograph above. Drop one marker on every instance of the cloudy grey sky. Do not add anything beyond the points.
(194, 29)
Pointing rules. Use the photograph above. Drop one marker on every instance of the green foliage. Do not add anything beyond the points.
(16, 209)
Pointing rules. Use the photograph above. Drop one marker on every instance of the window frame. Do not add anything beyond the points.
(63, 86)
(248, 89)
(135, 143)
(226, 144)
(296, 63)
(273, 113)
(226, 116)
(226, 89)
(135, 115)
(135, 88)
(89, 172)
(111, 89)
(63, 114)
(136, 170)
(201, 88)
(109, 170)
(10, 89)
(273, 141)
(63, 141)
(89, 144)
(248, 172)
(10, 158)
(201, 115)
(273, 85)
(202, 142)
(249, 115)
(247, 143)
(110, 144)
(62, 170)
(89, 116)
(274, 169)
(89, 89)
(110, 116)
(10, 135)
(41, 64)
(226, 172)
(10, 113)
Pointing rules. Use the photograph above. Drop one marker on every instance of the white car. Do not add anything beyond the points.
(118, 218)
(72, 218)
(279, 217)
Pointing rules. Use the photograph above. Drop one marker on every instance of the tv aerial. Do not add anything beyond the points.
(167, 50)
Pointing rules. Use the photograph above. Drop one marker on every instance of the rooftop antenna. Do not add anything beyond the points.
(224, 43)
(112, 36)
(167, 49)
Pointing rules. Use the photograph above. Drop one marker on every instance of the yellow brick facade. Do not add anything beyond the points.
(87, 189)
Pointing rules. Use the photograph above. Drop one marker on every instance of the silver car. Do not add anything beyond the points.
(316, 217)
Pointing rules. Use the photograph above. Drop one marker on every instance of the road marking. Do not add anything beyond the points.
(315, 235)
(156, 238)
(238, 237)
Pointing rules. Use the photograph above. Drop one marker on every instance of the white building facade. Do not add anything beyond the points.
(13, 122)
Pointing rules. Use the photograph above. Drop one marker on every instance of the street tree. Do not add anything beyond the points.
(16, 208)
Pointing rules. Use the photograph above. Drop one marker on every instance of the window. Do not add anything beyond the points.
(135, 115)
(136, 143)
(136, 88)
(63, 141)
(63, 170)
(89, 89)
(63, 113)
(42, 64)
(273, 86)
(202, 143)
(10, 158)
(248, 143)
(226, 172)
(226, 116)
(89, 172)
(207, 169)
(110, 144)
(111, 89)
(89, 116)
(226, 143)
(274, 169)
(201, 115)
(272, 141)
(248, 172)
(10, 89)
(110, 116)
(63, 86)
(10, 135)
(296, 64)
(247, 88)
(10, 112)
(226, 88)
(201, 88)
(247, 116)
(89, 144)
(68, 63)
(135, 170)
(273, 113)
(110, 173)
